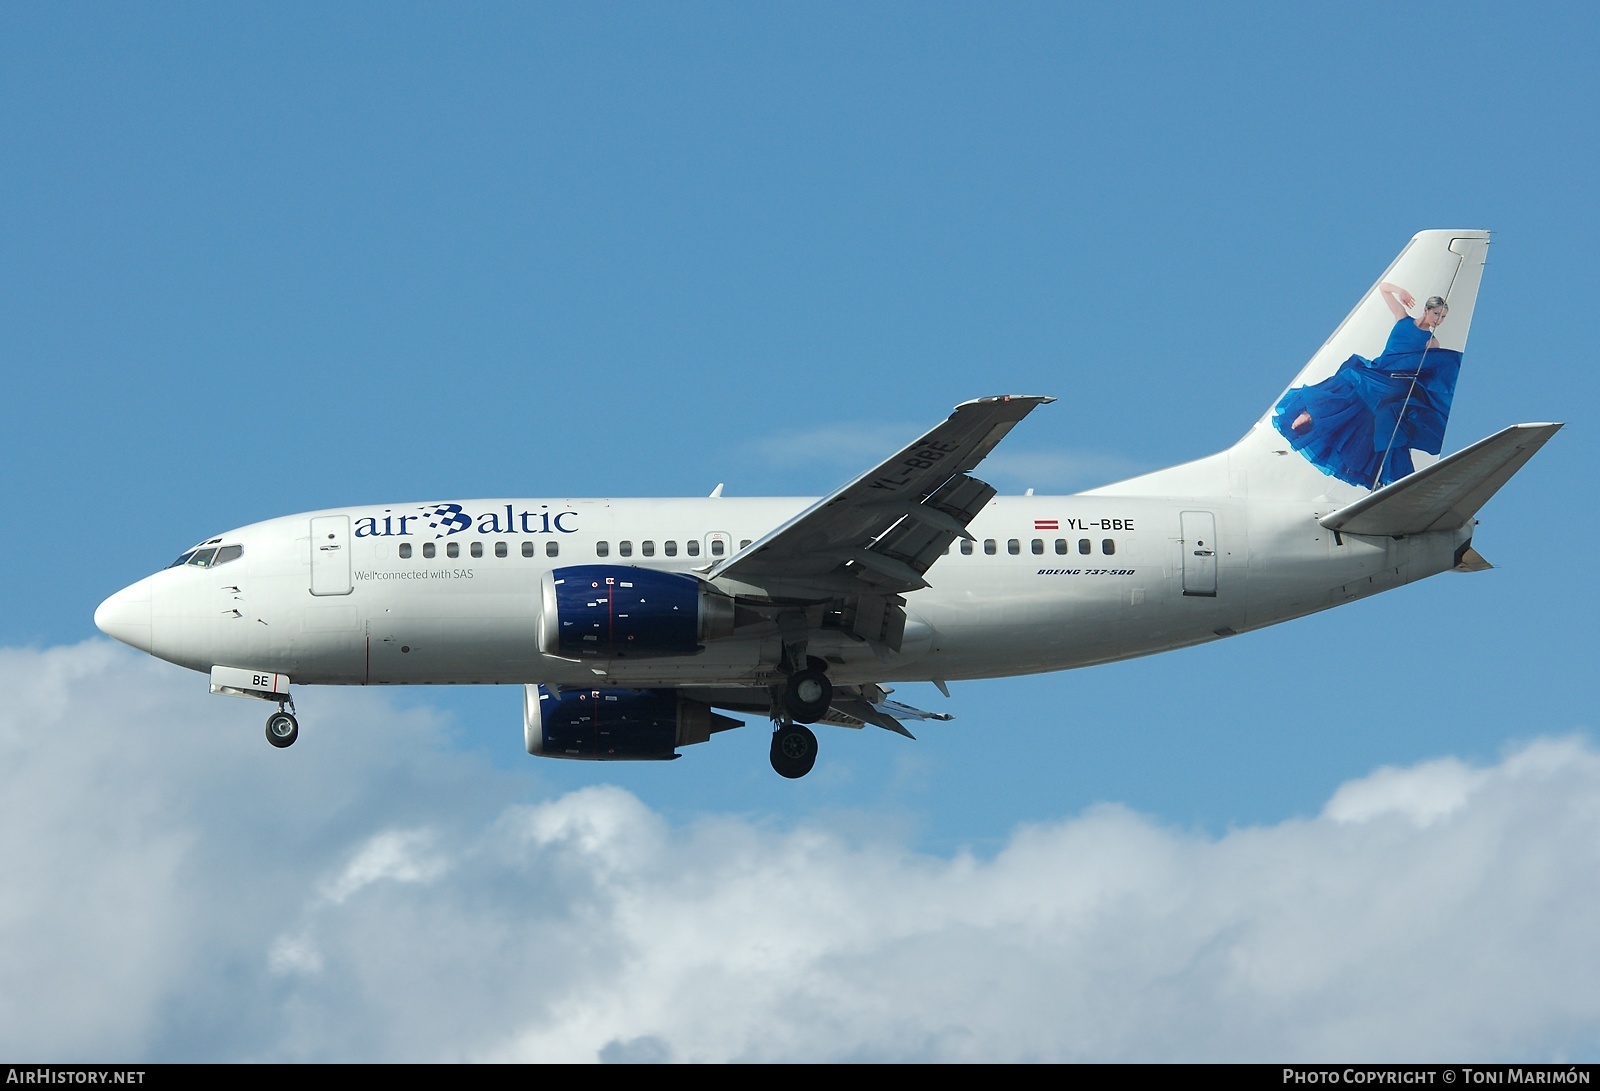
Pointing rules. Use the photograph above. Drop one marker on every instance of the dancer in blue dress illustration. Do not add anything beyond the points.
(1361, 423)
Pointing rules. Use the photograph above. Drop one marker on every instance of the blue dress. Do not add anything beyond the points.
(1367, 417)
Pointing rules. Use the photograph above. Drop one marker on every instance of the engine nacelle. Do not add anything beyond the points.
(615, 724)
(603, 611)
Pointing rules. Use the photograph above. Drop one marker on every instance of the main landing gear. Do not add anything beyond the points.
(282, 728)
(794, 750)
(805, 700)
(809, 693)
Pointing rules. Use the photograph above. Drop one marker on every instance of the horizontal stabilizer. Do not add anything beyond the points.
(1447, 494)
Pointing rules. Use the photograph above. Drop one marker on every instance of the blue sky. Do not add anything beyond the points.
(264, 259)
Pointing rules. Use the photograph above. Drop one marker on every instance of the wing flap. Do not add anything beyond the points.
(928, 528)
(880, 533)
(852, 706)
(884, 713)
(1447, 494)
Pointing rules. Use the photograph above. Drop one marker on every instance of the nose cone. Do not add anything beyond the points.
(126, 616)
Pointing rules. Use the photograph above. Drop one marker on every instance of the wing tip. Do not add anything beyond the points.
(1035, 399)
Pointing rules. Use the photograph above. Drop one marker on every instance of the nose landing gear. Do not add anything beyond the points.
(282, 728)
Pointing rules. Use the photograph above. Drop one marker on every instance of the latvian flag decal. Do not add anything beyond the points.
(1046, 524)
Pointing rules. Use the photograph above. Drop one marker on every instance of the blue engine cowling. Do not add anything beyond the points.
(620, 612)
(615, 724)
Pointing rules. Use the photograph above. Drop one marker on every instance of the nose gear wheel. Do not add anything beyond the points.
(282, 729)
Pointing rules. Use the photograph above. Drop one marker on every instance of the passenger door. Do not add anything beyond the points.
(1199, 530)
(330, 555)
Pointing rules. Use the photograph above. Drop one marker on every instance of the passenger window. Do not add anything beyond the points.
(1038, 545)
(671, 549)
(625, 548)
(428, 550)
(966, 547)
(989, 547)
(477, 549)
(602, 549)
(500, 549)
(717, 548)
(692, 548)
(552, 549)
(228, 553)
(405, 551)
(1108, 547)
(1013, 547)
(527, 549)
(452, 549)
(1061, 547)
(1084, 547)
(647, 548)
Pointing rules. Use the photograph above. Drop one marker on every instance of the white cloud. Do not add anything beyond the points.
(851, 447)
(294, 955)
(847, 444)
(174, 889)
(1424, 794)
(398, 855)
(1056, 471)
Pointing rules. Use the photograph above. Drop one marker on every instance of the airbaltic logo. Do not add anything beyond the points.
(447, 519)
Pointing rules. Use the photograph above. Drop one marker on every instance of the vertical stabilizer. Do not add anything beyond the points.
(1443, 264)
(1371, 405)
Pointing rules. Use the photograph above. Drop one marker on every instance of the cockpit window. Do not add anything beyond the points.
(209, 556)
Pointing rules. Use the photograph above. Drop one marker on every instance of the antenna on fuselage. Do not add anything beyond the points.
(717, 492)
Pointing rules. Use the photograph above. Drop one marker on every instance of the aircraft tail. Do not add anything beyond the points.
(1371, 405)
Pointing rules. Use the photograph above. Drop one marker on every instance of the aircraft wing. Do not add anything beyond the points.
(879, 534)
(1448, 493)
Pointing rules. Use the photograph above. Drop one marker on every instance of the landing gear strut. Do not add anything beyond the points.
(282, 728)
(794, 750)
(804, 699)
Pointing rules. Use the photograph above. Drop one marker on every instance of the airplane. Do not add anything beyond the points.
(635, 626)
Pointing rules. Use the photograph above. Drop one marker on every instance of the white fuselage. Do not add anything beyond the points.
(381, 595)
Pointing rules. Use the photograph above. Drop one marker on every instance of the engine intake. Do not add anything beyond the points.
(604, 611)
(615, 724)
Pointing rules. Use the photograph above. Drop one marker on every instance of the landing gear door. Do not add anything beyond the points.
(330, 555)
(1199, 529)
